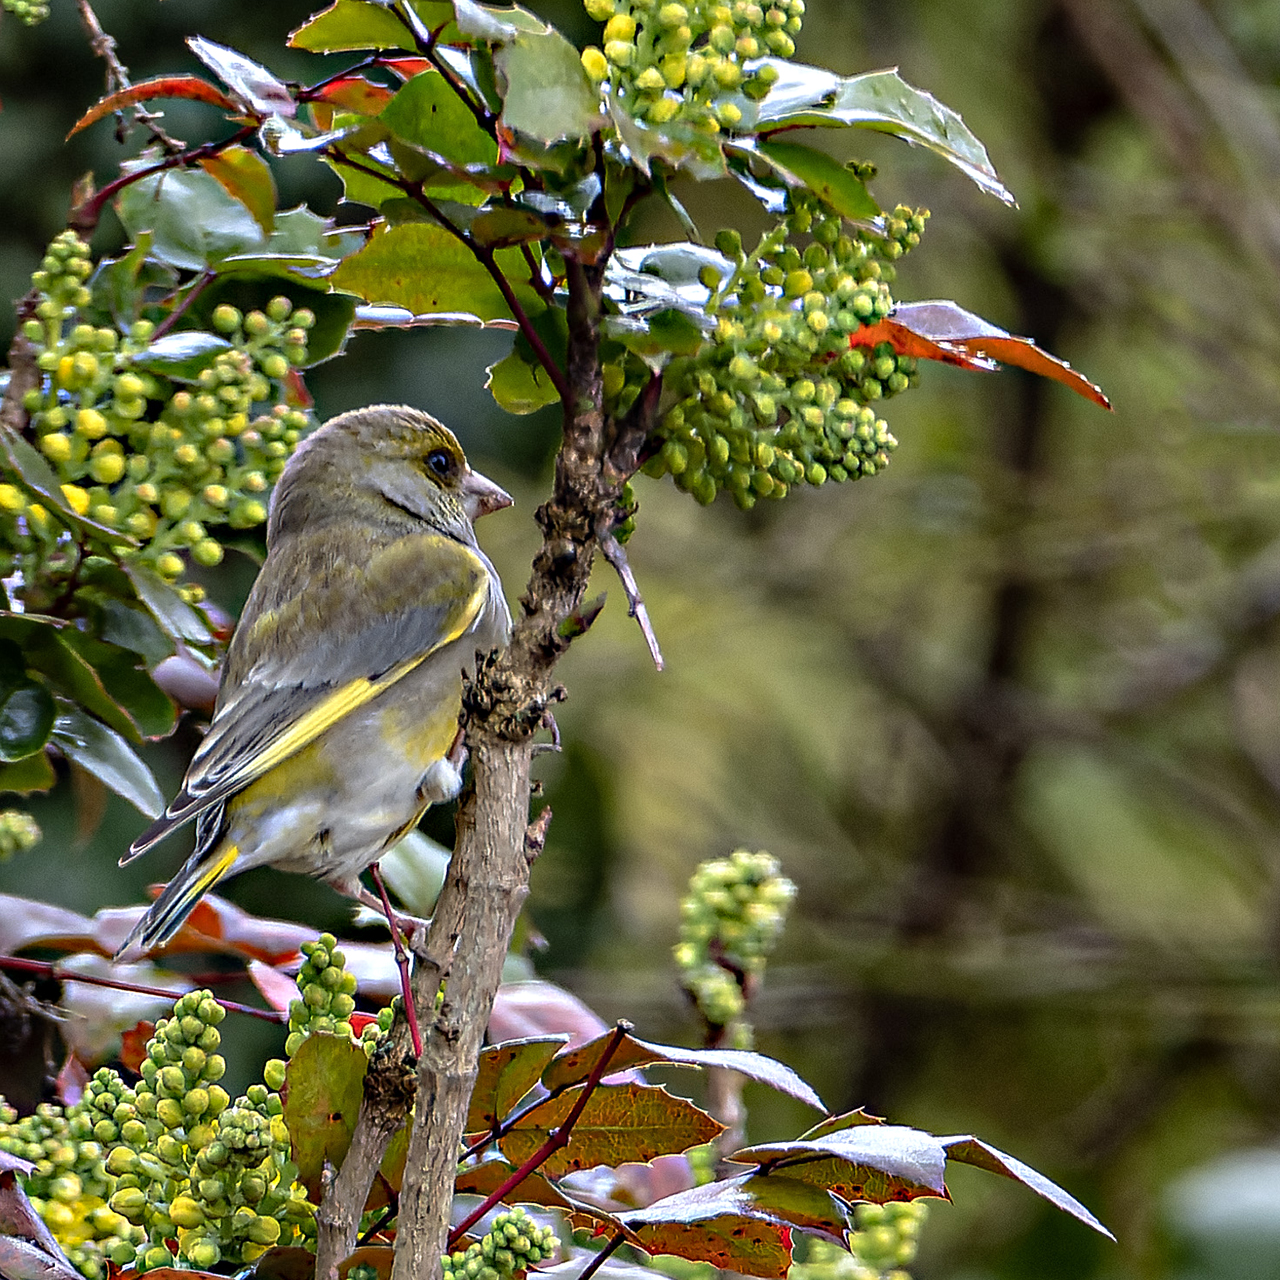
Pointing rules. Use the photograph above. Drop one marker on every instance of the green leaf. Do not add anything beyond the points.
(325, 1085)
(35, 773)
(519, 387)
(250, 81)
(299, 231)
(507, 1072)
(27, 714)
(176, 617)
(619, 1124)
(119, 285)
(45, 649)
(495, 228)
(194, 221)
(966, 1149)
(105, 754)
(548, 95)
(353, 24)
(131, 628)
(879, 100)
(421, 267)
(127, 683)
(245, 176)
(721, 1223)
(495, 25)
(184, 355)
(667, 332)
(679, 143)
(801, 166)
(427, 113)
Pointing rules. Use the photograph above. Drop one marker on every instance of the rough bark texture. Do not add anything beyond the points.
(488, 875)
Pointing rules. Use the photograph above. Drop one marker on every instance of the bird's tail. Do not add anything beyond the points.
(164, 918)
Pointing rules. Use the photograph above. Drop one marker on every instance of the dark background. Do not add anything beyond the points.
(1009, 714)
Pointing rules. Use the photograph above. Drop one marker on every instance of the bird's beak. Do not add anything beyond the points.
(481, 496)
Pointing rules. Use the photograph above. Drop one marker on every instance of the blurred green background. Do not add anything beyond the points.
(1009, 714)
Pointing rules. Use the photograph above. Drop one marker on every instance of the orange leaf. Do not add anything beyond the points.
(353, 93)
(133, 1045)
(191, 87)
(944, 331)
(245, 175)
(406, 68)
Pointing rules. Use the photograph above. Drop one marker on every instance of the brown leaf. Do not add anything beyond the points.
(133, 1045)
(720, 1223)
(506, 1073)
(577, 1064)
(325, 1081)
(619, 1123)
(191, 87)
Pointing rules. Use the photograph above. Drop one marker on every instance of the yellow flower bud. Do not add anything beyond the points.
(673, 69)
(186, 454)
(142, 524)
(622, 26)
(728, 114)
(77, 498)
(11, 498)
(169, 565)
(599, 10)
(37, 517)
(662, 110)
(650, 80)
(105, 513)
(107, 468)
(619, 52)
(90, 424)
(594, 63)
(207, 552)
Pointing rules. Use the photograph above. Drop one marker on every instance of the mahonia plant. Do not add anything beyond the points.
(160, 458)
(883, 1246)
(730, 921)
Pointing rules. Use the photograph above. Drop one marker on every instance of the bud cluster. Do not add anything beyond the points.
(19, 831)
(162, 459)
(328, 990)
(195, 1167)
(28, 12)
(730, 921)
(888, 1236)
(70, 1185)
(514, 1243)
(782, 395)
(687, 62)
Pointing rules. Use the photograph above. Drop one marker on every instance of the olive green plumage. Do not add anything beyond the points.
(336, 720)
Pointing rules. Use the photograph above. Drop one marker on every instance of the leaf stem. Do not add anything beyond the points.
(602, 1257)
(48, 969)
(557, 1139)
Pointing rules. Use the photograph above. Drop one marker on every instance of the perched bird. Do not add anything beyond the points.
(336, 723)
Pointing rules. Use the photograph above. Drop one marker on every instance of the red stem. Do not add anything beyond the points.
(89, 212)
(557, 1139)
(402, 963)
(47, 969)
(601, 1258)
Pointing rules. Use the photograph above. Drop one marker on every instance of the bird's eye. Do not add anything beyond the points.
(440, 462)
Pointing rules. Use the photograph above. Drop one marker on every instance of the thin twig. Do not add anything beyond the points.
(104, 46)
(402, 962)
(601, 1258)
(201, 283)
(48, 969)
(482, 255)
(617, 557)
(557, 1139)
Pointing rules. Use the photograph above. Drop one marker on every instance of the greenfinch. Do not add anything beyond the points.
(336, 722)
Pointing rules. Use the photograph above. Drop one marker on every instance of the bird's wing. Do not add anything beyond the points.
(304, 662)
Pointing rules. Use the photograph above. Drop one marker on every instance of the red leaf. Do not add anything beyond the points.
(191, 87)
(353, 93)
(943, 331)
(406, 68)
(133, 1045)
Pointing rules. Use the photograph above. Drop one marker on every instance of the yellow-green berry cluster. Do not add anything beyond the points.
(784, 391)
(328, 991)
(195, 1168)
(730, 921)
(888, 1236)
(163, 458)
(686, 62)
(19, 831)
(513, 1244)
(30, 12)
(70, 1185)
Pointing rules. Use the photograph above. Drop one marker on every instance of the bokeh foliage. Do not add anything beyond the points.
(1007, 715)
